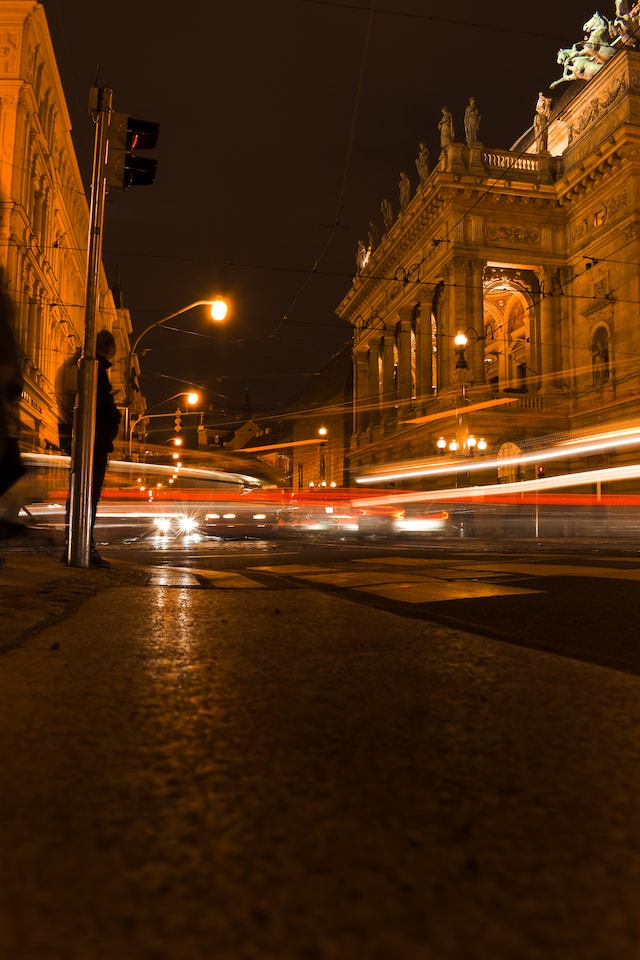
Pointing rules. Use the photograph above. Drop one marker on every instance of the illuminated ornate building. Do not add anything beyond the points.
(44, 224)
(532, 255)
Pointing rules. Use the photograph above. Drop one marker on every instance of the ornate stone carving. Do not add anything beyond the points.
(632, 233)
(596, 107)
(618, 202)
(578, 230)
(501, 233)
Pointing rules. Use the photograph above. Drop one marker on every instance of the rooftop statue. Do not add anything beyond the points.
(405, 191)
(422, 162)
(541, 122)
(445, 126)
(387, 214)
(472, 122)
(626, 24)
(585, 58)
(363, 254)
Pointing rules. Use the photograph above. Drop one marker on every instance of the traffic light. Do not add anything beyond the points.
(125, 168)
(178, 422)
(540, 472)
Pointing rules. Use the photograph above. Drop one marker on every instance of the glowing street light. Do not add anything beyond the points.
(191, 399)
(218, 309)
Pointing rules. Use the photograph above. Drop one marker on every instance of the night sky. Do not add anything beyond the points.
(283, 124)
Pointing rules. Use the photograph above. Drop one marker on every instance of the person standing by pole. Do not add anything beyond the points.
(107, 421)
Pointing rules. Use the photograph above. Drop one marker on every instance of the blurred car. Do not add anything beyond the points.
(236, 520)
(422, 521)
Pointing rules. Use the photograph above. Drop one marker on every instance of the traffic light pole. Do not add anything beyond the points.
(81, 481)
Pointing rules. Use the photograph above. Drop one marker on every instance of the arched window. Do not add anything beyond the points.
(414, 360)
(434, 353)
(600, 357)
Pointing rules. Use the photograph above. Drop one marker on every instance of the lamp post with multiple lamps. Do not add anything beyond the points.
(472, 444)
(218, 309)
(464, 443)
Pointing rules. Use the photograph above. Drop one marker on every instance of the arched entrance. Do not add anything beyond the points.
(509, 330)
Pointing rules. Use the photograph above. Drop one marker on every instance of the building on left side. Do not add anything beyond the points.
(44, 222)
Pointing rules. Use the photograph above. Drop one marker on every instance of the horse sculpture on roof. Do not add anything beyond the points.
(597, 38)
(585, 58)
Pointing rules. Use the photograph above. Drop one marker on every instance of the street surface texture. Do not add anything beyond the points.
(242, 762)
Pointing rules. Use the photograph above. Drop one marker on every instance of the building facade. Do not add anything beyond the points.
(44, 223)
(321, 427)
(531, 255)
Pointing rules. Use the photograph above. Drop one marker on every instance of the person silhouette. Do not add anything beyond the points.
(12, 467)
(107, 422)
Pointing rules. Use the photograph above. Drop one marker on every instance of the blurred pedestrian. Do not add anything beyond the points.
(11, 383)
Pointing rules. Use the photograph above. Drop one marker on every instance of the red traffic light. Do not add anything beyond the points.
(124, 167)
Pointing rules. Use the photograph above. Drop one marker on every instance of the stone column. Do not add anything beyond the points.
(43, 348)
(361, 392)
(548, 345)
(475, 318)
(32, 329)
(423, 352)
(374, 383)
(404, 394)
(388, 376)
(454, 318)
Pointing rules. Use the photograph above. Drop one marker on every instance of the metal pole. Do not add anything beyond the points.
(81, 480)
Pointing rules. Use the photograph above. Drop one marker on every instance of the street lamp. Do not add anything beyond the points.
(322, 433)
(461, 340)
(192, 398)
(218, 309)
(460, 443)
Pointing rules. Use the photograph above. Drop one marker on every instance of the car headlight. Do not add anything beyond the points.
(187, 524)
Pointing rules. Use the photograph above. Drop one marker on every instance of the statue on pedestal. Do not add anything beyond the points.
(387, 214)
(405, 191)
(422, 162)
(445, 126)
(472, 122)
(541, 122)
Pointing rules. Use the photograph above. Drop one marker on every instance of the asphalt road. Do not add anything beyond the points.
(584, 605)
(238, 753)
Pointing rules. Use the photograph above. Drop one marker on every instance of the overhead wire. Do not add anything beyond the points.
(345, 169)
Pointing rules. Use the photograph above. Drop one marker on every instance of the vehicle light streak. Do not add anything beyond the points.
(630, 472)
(432, 468)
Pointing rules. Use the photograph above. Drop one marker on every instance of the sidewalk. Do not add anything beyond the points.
(38, 590)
